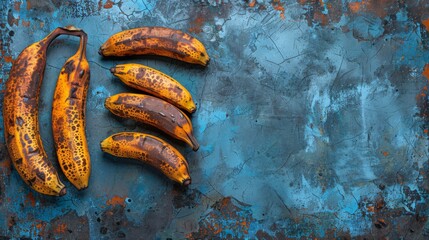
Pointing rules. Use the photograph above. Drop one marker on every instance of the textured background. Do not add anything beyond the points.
(313, 121)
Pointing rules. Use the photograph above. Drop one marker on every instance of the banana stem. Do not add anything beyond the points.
(70, 30)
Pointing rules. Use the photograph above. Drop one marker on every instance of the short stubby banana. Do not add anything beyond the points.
(20, 114)
(68, 118)
(159, 41)
(155, 112)
(154, 82)
(150, 150)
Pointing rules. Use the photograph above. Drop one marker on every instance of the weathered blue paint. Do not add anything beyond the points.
(311, 124)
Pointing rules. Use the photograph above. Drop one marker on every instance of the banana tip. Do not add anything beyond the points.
(186, 182)
(195, 147)
(83, 188)
(100, 52)
(63, 192)
(113, 70)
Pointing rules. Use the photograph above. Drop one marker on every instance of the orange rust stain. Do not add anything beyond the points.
(426, 131)
(116, 200)
(8, 59)
(381, 8)
(425, 88)
(426, 71)
(28, 5)
(42, 24)
(40, 225)
(25, 23)
(245, 226)
(61, 228)
(252, 3)
(355, 6)
(197, 24)
(108, 4)
(277, 5)
(371, 209)
(30, 199)
(17, 6)
(321, 18)
(426, 23)
(218, 229)
(385, 154)
(5, 164)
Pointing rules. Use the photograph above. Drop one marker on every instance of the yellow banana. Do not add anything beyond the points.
(68, 118)
(20, 114)
(155, 112)
(156, 41)
(156, 83)
(150, 150)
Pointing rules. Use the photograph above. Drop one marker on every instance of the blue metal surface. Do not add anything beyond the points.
(312, 117)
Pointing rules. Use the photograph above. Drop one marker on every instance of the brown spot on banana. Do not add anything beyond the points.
(68, 118)
(20, 111)
(159, 41)
(155, 112)
(156, 83)
(150, 150)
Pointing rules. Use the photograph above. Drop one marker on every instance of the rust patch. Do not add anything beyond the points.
(29, 199)
(116, 200)
(380, 8)
(8, 59)
(197, 24)
(60, 228)
(108, 4)
(11, 19)
(315, 12)
(278, 6)
(426, 71)
(25, 23)
(226, 215)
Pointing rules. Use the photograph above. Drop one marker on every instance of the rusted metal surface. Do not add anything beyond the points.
(312, 118)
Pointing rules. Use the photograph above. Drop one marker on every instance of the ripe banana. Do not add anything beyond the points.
(68, 118)
(20, 114)
(155, 112)
(150, 150)
(156, 41)
(156, 83)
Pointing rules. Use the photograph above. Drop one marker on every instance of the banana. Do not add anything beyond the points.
(150, 150)
(160, 41)
(155, 112)
(68, 118)
(156, 83)
(20, 114)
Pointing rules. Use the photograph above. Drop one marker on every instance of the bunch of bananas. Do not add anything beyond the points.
(162, 109)
(21, 123)
(21, 102)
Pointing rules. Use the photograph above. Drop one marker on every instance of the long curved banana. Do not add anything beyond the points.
(150, 150)
(20, 114)
(155, 112)
(156, 83)
(156, 41)
(68, 118)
